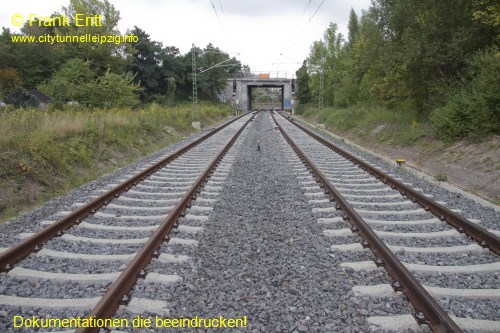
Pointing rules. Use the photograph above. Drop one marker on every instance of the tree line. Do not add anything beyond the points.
(438, 58)
(109, 74)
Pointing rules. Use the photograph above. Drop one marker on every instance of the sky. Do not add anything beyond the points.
(268, 35)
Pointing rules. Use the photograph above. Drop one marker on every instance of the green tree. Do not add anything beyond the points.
(101, 56)
(35, 62)
(334, 67)
(175, 72)
(369, 57)
(145, 63)
(473, 109)
(9, 79)
(245, 71)
(303, 91)
(212, 81)
(161, 72)
(487, 12)
(314, 64)
(353, 27)
(8, 51)
(65, 84)
(429, 41)
(111, 90)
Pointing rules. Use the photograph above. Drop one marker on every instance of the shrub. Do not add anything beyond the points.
(111, 90)
(473, 111)
(65, 84)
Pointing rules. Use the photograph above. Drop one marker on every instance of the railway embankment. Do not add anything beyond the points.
(472, 165)
(46, 154)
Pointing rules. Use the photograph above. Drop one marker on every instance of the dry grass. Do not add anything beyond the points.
(44, 154)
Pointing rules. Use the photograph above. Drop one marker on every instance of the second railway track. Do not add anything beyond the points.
(264, 241)
(406, 238)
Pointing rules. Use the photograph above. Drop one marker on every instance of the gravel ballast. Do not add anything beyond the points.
(263, 250)
(263, 254)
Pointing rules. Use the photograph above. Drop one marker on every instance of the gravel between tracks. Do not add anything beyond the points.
(263, 254)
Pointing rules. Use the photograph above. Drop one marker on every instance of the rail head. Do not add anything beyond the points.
(427, 309)
(118, 293)
(485, 238)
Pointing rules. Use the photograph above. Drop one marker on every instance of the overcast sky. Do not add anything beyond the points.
(269, 35)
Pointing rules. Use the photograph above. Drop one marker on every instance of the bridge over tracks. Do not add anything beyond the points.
(244, 96)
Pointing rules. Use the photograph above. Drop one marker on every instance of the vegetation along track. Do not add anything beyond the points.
(397, 224)
(119, 233)
(265, 240)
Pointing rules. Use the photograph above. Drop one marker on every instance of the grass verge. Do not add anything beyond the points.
(46, 154)
(390, 127)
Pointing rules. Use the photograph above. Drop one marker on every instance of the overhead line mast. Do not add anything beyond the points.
(195, 90)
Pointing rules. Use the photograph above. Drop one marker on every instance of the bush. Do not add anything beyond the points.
(65, 84)
(455, 119)
(473, 111)
(110, 91)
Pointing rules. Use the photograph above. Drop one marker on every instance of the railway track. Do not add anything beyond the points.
(284, 231)
(92, 257)
(406, 231)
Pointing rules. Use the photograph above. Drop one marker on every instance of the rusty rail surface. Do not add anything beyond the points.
(427, 308)
(35, 242)
(117, 293)
(482, 236)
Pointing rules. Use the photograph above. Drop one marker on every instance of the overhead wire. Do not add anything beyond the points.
(216, 14)
(321, 4)
(292, 34)
(304, 29)
(231, 45)
(222, 9)
(303, 12)
(220, 23)
(297, 26)
(284, 56)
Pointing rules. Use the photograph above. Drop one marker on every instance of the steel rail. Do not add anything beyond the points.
(427, 308)
(35, 242)
(117, 293)
(482, 236)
